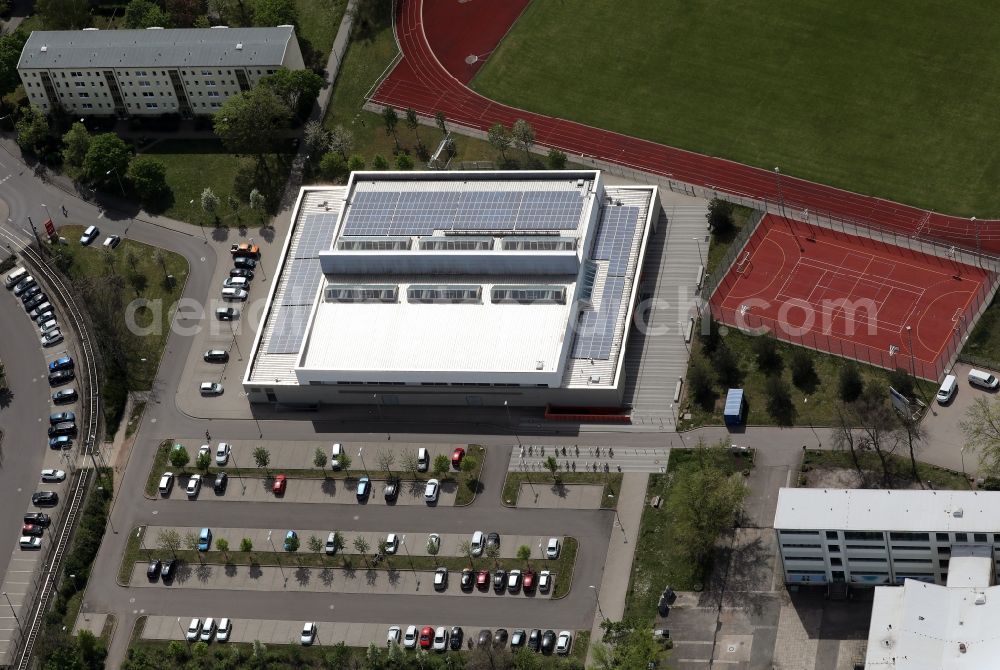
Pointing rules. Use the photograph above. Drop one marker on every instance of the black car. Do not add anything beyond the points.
(38, 519)
(244, 263)
(64, 428)
(534, 639)
(499, 580)
(518, 638)
(226, 313)
(391, 489)
(153, 570)
(548, 641)
(455, 641)
(35, 301)
(493, 540)
(216, 356)
(500, 637)
(65, 396)
(485, 638)
(241, 272)
(169, 570)
(61, 377)
(44, 498)
(30, 293)
(61, 417)
(221, 480)
(468, 579)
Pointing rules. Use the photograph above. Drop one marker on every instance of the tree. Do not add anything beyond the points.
(409, 464)
(179, 456)
(552, 465)
(148, 177)
(382, 549)
(379, 162)
(222, 544)
(524, 138)
(203, 462)
(338, 542)
(441, 464)
(106, 161)
(333, 167)
(499, 139)
(298, 89)
(315, 137)
(981, 427)
(878, 425)
(433, 548)
(385, 458)
(251, 123)
(556, 159)
(493, 553)
(262, 457)
(345, 463)
(191, 543)
(315, 544)
(404, 162)
(145, 14)
(11, 46)
(727, 367)
(391, 120)
(701, 386)
(231, 12)
(76, 142)
(270, 13)
(356, 163)
(63, 14)
(720, 216)
(186, 12)
(849, 382)
(292, 543)
(439, 121)
(779, 400)
(413, 123)
(246, 545)
(210, 203)
(319, 458)
(465, 550)
(627, 644)
(844, 438)
(523, 553)
(233, 203)
(803, 371)
(901, 380)
(169, 540)
(362, 547)
(342, 141)
(914, 433)
(258, 203)
(32, 130)
(765, 348)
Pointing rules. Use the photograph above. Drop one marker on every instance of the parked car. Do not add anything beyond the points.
(169, 570)
(60, 442)
(514, 581)
(112, 242)
(225, 628)
(153, 569)
(483, 579)
(528, 581)
(440, 639)
(331, 543)
(236, 282)
(364, 488)
(493, 540)
(211, 388)
(499, 580)
(391, 490)
(40, 309)
(552, 549)
(89, 235)
(52, 338)
(457, 456)
(244, 262)
(37, 519)
(290, 538)
(410, 637)
(45, 499)
(227, 313)
(28, 542)
(477, 543)
(64, 428)
(220, 483)
(61, 417)
(563, 642)
(32, 530)
(64, 396)
(47, 327)
(534, 639)
(456, 638)
(308, 633)
(23, 285)
(53, 475)
(222, 453)
(34, 302)
(241, 272)
(336, 453)
(235, 294)
(548, 641)
(193, 486)
(205, 539)
(391, 543)
(61, 377)
(544, 581)
(216, 356)
(426, 637)
(441, 579)
(433, 542)
(194, 629)
(423, 459)
(42, 317)
(30, 292)
(166, 483)
(468, 580)
(280, 483)
(246, 250)
(431, 490)
(394, 636)
(207, 630)
(518, 638)
(500, 638)
(485, 638)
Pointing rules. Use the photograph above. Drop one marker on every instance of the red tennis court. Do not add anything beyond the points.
(851, 296)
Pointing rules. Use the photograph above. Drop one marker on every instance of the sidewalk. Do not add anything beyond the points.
(618, 565)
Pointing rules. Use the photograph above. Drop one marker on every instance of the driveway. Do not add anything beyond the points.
(944, 442)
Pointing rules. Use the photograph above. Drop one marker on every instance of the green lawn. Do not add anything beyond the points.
(653, 567)
(889, 98)
(983, 345)
(817, 460)
(93, 266)
(318, 22)
(609, 500)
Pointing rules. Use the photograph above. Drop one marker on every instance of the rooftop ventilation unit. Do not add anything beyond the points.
(239, 46)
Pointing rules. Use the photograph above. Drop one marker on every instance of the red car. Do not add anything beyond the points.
(457, 456)
(528, 580)
(278, 488)
(426, 637)
(483, 579)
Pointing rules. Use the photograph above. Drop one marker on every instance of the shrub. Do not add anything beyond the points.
(766, 350)
(803, 372)
(700, 384)
(850, 384)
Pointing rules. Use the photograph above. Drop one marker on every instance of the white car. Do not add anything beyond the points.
(440, 639)
(222, 453)
(410, 637)
(336, 452)
(47, 327)
(563, 642)
(225, 628)
(52, 475)
(89, 235)
(431, 490)
(433, 543)
(552, 550)
(194, 485)
(207, 630)
(234, 294)
(478, 542)
(166, 483)
(52, 338)
(30, 542)
(394, 635)
(391, 543)
(210, 388)
(205, 449)
(544, 581)
(194, 629)
(112, 241)
(308, 633)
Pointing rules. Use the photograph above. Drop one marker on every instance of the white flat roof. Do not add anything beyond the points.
(920, 626)
(881, 510)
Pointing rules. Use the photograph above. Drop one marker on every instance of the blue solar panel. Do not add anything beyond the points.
(289, 329)
(316, 235)
(302, 282)
(596, 330)
(615, 232)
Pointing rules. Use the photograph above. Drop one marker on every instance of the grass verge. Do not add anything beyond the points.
(612, 482)
(653, 568)
(719, 244)
(983, 346)
(134, 417)
(319, 21)
(816, 461)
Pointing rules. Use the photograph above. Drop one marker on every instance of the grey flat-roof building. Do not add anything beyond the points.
(152, 71)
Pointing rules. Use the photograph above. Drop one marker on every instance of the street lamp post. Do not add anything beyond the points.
(360, 452)
(183, 633)
(276, 559)
(510, 424)
(117, 177)
(909, 336)
(597, 598)
(700, 257)
(416, 575)
(781, 205)
(14, 612)
(47, 212)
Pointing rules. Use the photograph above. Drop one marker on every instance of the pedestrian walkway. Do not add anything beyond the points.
(594, 459)
(618, 565)
(560, 496)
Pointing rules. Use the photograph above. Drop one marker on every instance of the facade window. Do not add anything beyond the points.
(151, 105)
(941, 537)
(803, 558)
(213, 94)
(141, 73)
(148, 94)
(79, 83)
(862, 535)
(979, 537)
(144, 83)
(836, 561)
(943, 564)
(912, 537)
(205, 73)
(87, 105)
(912, 560)
(944, 550)
(216, 104)
(961, 537)
(209, 82)
(83, 94)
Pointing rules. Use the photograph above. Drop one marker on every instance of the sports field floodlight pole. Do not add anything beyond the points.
(781, 206)
(909, 335)
(979, 251)
(700, 257)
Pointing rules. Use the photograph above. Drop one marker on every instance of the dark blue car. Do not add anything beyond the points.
(62, 363)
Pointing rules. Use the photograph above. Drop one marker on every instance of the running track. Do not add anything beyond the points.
(419, 80)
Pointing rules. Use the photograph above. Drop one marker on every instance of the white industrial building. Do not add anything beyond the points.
(872, 537)
(150, 72)
(455, 288)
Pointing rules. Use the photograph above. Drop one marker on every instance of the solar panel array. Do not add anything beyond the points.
(317, 234)
(423, 212)
(289, 329)
(301, 282)
(596, 330)
(614, 238)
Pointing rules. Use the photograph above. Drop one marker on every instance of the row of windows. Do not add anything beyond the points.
(877, 536)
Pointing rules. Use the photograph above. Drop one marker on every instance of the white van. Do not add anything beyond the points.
(234, 294)
(423, 460)
(983, 380)
(947, 390)
(14, 276)
(336, 454)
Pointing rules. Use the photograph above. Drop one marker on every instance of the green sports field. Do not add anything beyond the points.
(893, 98)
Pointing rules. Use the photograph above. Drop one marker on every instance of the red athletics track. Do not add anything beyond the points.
(420, 81)
(851, 296)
